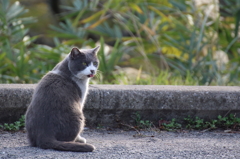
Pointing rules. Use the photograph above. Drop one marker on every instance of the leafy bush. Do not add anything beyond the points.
(21, 61)
(14, 57)
(156, 35)
(171, 38)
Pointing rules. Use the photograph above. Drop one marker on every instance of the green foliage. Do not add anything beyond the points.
(14, 57)
(227, 122)
(140, 123)
(169, 125)
(173, 42)
(22, 61)
(196, 123)
(17, 125)
(109, 61)
(164, 78)
(156, 35)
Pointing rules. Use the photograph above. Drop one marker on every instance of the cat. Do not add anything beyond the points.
(54, 118)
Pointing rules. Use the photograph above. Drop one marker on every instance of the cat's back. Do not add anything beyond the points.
(56, 84)
(55, 89)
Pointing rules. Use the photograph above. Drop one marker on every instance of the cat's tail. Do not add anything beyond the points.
(66, 146)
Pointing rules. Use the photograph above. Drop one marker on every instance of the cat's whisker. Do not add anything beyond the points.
(98, 74)
(98, 71)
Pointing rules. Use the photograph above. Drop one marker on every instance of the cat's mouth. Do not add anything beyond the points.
(91, 75)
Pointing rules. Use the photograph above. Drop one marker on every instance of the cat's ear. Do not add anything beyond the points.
(95, 50)
(75, 53)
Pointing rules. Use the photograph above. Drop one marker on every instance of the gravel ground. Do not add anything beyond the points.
(121, 144)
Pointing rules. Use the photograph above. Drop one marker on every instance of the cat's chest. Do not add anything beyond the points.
(83, 86)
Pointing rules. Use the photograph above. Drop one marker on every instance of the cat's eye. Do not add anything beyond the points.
(84, 64)
(95, 63)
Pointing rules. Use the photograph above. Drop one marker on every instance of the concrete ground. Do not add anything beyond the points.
(119, 144)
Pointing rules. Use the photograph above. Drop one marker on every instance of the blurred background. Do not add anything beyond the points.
(157, 42)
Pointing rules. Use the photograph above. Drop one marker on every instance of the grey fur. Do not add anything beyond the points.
(54, 118)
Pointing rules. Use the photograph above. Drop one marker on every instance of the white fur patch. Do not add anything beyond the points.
(81, 139)
(82, 81)
(83, 85)
(55, 72)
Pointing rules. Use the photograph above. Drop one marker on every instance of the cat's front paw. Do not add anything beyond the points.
(81, 139)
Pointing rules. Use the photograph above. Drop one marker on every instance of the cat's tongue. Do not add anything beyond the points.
(91, 75)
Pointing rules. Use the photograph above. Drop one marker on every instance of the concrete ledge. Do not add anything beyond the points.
(107, 105)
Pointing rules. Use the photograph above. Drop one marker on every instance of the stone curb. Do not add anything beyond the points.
(109, 105)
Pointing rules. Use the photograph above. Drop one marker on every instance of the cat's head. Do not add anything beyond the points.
(83, 63)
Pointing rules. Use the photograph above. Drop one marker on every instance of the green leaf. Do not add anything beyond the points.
(92, 17)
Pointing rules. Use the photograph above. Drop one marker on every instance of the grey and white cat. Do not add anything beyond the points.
(54, 118)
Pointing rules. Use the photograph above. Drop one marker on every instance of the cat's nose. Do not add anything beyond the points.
(92, 71)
